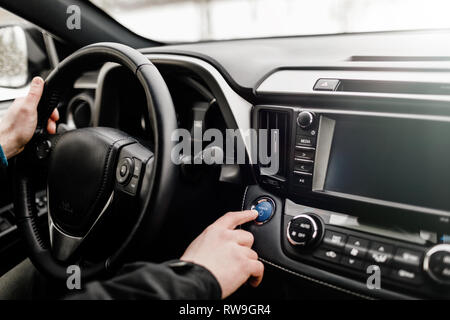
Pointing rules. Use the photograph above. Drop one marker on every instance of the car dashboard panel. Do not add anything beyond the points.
(363, 133)
(363, 180)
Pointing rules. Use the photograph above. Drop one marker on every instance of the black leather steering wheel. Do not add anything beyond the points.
(96, 177)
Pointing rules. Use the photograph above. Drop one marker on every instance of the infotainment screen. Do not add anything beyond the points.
(387, 160)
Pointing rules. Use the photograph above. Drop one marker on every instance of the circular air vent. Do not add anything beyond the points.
(80, 110)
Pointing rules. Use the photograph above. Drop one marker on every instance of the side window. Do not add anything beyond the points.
(22, 56)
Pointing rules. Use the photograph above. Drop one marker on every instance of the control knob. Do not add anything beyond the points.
(437, 263)
(305, 119)
(305, 230)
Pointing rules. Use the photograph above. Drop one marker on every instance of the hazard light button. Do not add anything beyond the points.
(327, 84)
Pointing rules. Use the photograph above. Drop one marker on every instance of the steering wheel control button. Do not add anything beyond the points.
(381, 253)
(43, 148)
(124, 171)
(326, 85)
(133, 185)
(304, 230)
(437, 263)
(137, 167)
(265, 207)
(334, 239)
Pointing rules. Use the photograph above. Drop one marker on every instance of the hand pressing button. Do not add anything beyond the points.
(265, 207)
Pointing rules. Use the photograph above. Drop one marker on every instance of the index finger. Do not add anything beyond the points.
(233, 219)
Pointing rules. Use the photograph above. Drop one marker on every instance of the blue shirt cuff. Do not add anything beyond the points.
(3, 160)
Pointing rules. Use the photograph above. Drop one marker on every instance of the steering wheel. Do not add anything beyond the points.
(97, 178)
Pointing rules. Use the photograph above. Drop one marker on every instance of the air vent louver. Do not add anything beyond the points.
(270, 119)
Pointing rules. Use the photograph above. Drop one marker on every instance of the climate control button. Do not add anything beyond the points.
(304, 230)
(437, 263)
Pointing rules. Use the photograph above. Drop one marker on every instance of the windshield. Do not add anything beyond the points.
(195, 20)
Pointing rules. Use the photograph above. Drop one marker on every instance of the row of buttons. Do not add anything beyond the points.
(359, 253)
(128, 172)
(305, 143)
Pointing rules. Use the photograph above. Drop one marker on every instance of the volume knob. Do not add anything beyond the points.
(305, 230)
(305, 119)
(437, 263)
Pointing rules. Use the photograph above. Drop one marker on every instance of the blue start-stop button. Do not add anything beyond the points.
(265, 208)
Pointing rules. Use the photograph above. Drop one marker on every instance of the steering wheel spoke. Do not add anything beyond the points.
(132, 164)
(65, 245)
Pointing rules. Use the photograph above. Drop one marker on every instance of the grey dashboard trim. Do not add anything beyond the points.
(289, 82)
(324, 142)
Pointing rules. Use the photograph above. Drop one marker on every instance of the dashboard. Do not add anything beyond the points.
(363, 132)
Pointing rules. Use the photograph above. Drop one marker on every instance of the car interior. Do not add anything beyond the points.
(362, 124)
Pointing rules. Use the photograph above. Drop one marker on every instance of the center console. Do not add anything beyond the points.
(356, 193)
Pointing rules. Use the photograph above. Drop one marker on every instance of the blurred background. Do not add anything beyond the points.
(194, 20)
(200, 20)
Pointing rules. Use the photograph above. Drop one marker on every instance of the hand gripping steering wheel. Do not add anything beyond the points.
(104, 188)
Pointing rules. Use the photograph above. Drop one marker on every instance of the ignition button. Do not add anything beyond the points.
(265, 207)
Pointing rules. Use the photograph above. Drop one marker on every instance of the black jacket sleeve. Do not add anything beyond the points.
(174, 280)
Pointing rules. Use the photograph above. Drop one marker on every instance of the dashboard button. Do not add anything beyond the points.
(265, 207)
(412, 277)
(334, 239)
(381, 253)
(356, 247)
(326, 84)
(353, 263)
(328, 254)
(303, 167)
(302, 180)
(408, 258)
(305, 119)
(304, 154)
(305, 141)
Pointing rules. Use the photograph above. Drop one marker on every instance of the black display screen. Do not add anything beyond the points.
(405, 161)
